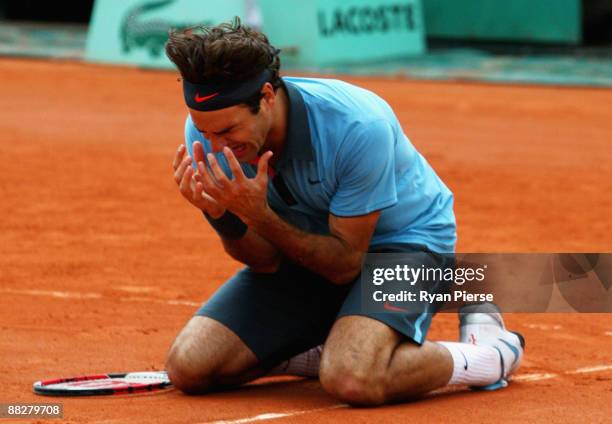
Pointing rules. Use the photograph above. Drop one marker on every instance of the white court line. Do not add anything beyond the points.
(77, 295)
(544, 326)
(168, 302)
(51, 293)
(590, 369)
(274, 415)
(183, 302)
(546, 376)
(534, 376)
(519, 377)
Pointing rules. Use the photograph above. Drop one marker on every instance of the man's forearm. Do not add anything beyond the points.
(244, 245)
(253, 251)
(326, 255)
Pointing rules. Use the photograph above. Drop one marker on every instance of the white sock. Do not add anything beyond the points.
(305, 364)
(473, 365)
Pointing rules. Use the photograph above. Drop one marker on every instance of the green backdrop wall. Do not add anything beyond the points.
(311, 32)
(558, 21)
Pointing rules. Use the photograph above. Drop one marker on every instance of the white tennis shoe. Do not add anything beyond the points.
(483, 325)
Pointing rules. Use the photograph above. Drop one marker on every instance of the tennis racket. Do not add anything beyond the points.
(104, 384)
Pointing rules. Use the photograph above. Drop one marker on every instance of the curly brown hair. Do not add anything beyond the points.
(230, 51)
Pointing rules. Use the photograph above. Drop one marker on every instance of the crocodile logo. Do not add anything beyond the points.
(139, 33)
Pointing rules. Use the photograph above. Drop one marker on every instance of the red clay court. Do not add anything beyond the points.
(102, 261)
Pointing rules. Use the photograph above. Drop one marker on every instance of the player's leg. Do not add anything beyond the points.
(305, 364)
(482, 335)
(366, 362)
(206, 355)
(252, 323)
(371, 358)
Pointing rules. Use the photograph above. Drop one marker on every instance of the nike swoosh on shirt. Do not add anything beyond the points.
(204, 98)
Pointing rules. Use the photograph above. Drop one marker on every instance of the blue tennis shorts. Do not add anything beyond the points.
(278, 315)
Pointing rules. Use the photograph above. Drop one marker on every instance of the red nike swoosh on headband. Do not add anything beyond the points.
(204, 98)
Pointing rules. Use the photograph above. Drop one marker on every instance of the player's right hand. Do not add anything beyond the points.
(191, 189)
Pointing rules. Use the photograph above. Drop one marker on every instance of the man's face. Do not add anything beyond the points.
(236, 127)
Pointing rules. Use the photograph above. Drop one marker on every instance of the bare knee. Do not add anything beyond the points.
(353, 388)
(357, 359)
(357, 385)
(354, 385)
(184, 374)
(207, 354)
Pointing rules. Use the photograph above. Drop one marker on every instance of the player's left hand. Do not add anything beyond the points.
(243, 196)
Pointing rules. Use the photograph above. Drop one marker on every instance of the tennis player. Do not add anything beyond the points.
(300, 177)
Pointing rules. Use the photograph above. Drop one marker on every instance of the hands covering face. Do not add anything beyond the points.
(210, 190)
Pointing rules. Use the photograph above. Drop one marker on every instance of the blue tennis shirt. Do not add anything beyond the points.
(346, 154)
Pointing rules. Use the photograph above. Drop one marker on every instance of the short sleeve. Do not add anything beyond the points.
(192, 135)
(365, 170)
